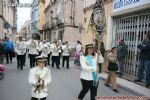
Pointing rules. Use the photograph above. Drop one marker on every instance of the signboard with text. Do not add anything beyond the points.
(120, 5)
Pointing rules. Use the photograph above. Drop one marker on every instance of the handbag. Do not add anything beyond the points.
(112, 67)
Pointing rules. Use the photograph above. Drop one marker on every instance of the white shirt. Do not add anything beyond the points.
(55, 50)
(78, 47)
(66, 50)
(33, 47)
(45, 74)
(86, 72)
(44, 50)
(20, 49)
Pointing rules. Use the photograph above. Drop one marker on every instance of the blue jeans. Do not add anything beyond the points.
(144, 65)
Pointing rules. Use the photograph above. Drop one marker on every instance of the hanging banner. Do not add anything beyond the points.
(98, 17)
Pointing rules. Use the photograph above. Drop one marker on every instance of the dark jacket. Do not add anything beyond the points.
(8, 46)
(145, 50)
(2, 51)
(121, 51)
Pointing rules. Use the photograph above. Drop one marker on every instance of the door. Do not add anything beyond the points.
(132, 30)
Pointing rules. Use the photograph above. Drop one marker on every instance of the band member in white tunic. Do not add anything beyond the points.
(25, 46)
(45, 51)
(66, 53)
(55, 54)
(33, 51)
(39, 78)
(20, 49)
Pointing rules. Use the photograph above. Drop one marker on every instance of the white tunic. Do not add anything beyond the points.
(33, 47)
(86, 72)
(45, 50)
(45, 74)
(78, 47)
(55, 50)
(66, 50)
(20, 49)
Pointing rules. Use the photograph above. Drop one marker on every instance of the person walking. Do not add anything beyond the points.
(121, 53)
(25, 51)
(39, 79)
(2, 52)
(66, 54)
(88, 74)
(112, 68)
(9, 48)
(77, 53)
(55, 55)
(20, 49)
(144, 61)
(33, 51)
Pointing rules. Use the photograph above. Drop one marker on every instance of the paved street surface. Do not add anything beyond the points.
(65, 85)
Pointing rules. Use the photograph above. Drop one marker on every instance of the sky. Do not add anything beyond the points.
(23, 14)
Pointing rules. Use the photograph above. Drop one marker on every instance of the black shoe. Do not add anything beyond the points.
(107, 85)
(58, 68)
(137, 80)
(115, 90)
(68, 68)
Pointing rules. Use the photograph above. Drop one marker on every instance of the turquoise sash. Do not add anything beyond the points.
(90, 64)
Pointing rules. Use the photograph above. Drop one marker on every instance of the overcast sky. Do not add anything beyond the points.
(23, 14)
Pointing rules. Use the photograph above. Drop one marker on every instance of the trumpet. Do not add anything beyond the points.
(40, 86)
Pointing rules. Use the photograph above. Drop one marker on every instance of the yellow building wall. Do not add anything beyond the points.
(41, 17)
(87, 36)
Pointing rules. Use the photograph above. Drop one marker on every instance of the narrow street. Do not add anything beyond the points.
(65, 84)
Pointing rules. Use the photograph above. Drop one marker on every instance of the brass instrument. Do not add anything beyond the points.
(40, 86)
(33, 44)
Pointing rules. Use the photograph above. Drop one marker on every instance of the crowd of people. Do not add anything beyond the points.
(90, 58)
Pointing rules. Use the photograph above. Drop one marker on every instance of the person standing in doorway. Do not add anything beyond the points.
(144, 61)
(121, 53)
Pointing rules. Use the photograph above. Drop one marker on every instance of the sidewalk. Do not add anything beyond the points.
(131, 86)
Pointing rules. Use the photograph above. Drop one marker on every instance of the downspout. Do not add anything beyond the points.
(71, 12)
(74, 13)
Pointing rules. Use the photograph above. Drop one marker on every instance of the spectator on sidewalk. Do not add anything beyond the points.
(144, 60)
(121, 53)
(39, 78)
(2, 52)
(9, 48)
(77, 53)
(112, 68)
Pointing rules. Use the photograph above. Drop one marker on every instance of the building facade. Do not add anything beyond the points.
(125, 19)
(128, 20)
(8, 18)
(25, 30)
(34, 18)
(41, 17)
(64, 20)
